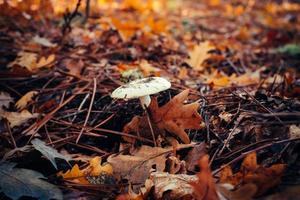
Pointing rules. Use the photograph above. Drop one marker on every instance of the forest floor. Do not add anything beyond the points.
(228, 128)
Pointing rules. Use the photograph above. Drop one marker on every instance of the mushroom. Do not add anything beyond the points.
(142, 89)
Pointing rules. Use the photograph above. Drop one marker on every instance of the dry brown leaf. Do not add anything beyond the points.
(252, 173)
(176, 186)
(5, 100)
(30, 61)
(193, 156)
(199, 54)
(136, 167)
(204, 187)
(24, 100)
(25, 59)
(74, 66)
(173, 117)
(294, 131)
(17, 118)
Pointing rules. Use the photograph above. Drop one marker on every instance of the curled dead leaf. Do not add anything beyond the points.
(24, 100)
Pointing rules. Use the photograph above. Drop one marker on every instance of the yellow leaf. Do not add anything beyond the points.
(21, 103)
(75, 175)
(30, 62)
(43, 62)
(199, 54)
(96, 168)
(25, 59)
(148, 69)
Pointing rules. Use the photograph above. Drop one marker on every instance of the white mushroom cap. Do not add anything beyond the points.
(141, 87)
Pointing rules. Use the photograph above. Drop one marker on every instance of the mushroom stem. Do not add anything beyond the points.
(145, 101)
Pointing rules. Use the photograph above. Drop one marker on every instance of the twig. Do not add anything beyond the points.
(89, 111)
(69, 17)
(35, 127)
(10, 134)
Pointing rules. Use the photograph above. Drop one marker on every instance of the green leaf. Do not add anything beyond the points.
(48, 152)
(18, 182)
(291, 49)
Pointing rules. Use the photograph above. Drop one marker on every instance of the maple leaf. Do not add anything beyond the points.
(199, 54)
(252, 173)
(24, 100)
(173, 117)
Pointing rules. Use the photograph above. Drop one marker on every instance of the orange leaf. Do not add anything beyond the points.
(199, 54)
(175, 117)
(250, 162)
(205, 187)
(252, 173)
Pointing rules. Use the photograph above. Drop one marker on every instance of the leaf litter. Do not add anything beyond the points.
(234, 99)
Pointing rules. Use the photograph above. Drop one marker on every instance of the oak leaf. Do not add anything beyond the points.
(31, 62)
(94, 169)
(199, 54)
(173, 117)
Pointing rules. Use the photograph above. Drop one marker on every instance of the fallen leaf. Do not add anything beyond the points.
(95, 168)
(225, 116)
(25, 59)
(252, 173)
(90, 174)
(136, 167)
(45, 61)
(75, 175)
(176, 186)
(148, 69)
(173, 117)
(24, 100)
(42, 41)
(131, 195)
(194, 156)
(18, 182)
(30, 61)
(74, 66)
(294, 132)
(5, 100)
(50, 153)
(204, 186)
(17, 118)
(199, 54)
